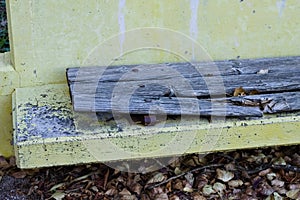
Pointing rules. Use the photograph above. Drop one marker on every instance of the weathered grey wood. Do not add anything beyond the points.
(232, 106)
(154, 71)
(141, 89)
(165, 105)
(197, 86)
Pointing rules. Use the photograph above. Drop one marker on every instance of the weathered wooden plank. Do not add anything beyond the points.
(165, 105)
(254, 105)
(197, 86)
(233, 76)
(187, 70)
(143, 89)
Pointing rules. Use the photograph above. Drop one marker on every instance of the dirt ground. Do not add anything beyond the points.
(268, 173)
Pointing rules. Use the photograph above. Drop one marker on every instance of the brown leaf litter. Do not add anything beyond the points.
(266, 173)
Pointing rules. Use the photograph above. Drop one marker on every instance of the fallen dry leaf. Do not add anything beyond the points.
(293, 194)
(208, 190)
(178, 185)
(125, 192)
(169, 186)
(188, 188)
(239, 92)
(281, 191)
(296, 159)
(219, 187)
(271, 176)
(136, 188)
(191, 162)
(57, 186)
(235, 183)
(277, 182)
(266, 189)
(111, 192)
(224, 176)
(157, 190)
(277, 196)
(190, 178)
(158, 177)
(294, 186)
(279, 161)
(94, 188)
(197, 196)
(274, 196)
(174, 197)
(249, 191)
(19, 174)
(177, 171)
(230, 167)
(202, 181)
(264, 172)
(58, 195)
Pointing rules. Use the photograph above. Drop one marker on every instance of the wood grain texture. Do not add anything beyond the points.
(189, 88)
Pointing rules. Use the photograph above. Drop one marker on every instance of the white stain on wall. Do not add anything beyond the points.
(121, 20)
(280, 5)
(193, 22)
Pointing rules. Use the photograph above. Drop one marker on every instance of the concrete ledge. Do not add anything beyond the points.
(47, 133)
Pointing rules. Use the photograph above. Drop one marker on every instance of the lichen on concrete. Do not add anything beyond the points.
(45, 121)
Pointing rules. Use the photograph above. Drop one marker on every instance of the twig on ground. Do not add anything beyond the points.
(287, 167)
(180, 175)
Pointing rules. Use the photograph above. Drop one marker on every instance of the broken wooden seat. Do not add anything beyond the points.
(268, 85)
(49, 131)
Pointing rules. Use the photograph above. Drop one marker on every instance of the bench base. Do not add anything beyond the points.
(48, 133)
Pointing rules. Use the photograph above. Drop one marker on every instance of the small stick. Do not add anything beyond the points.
(287, 167)
(180, 175)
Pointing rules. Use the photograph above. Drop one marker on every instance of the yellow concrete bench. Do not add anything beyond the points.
(46, 37)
